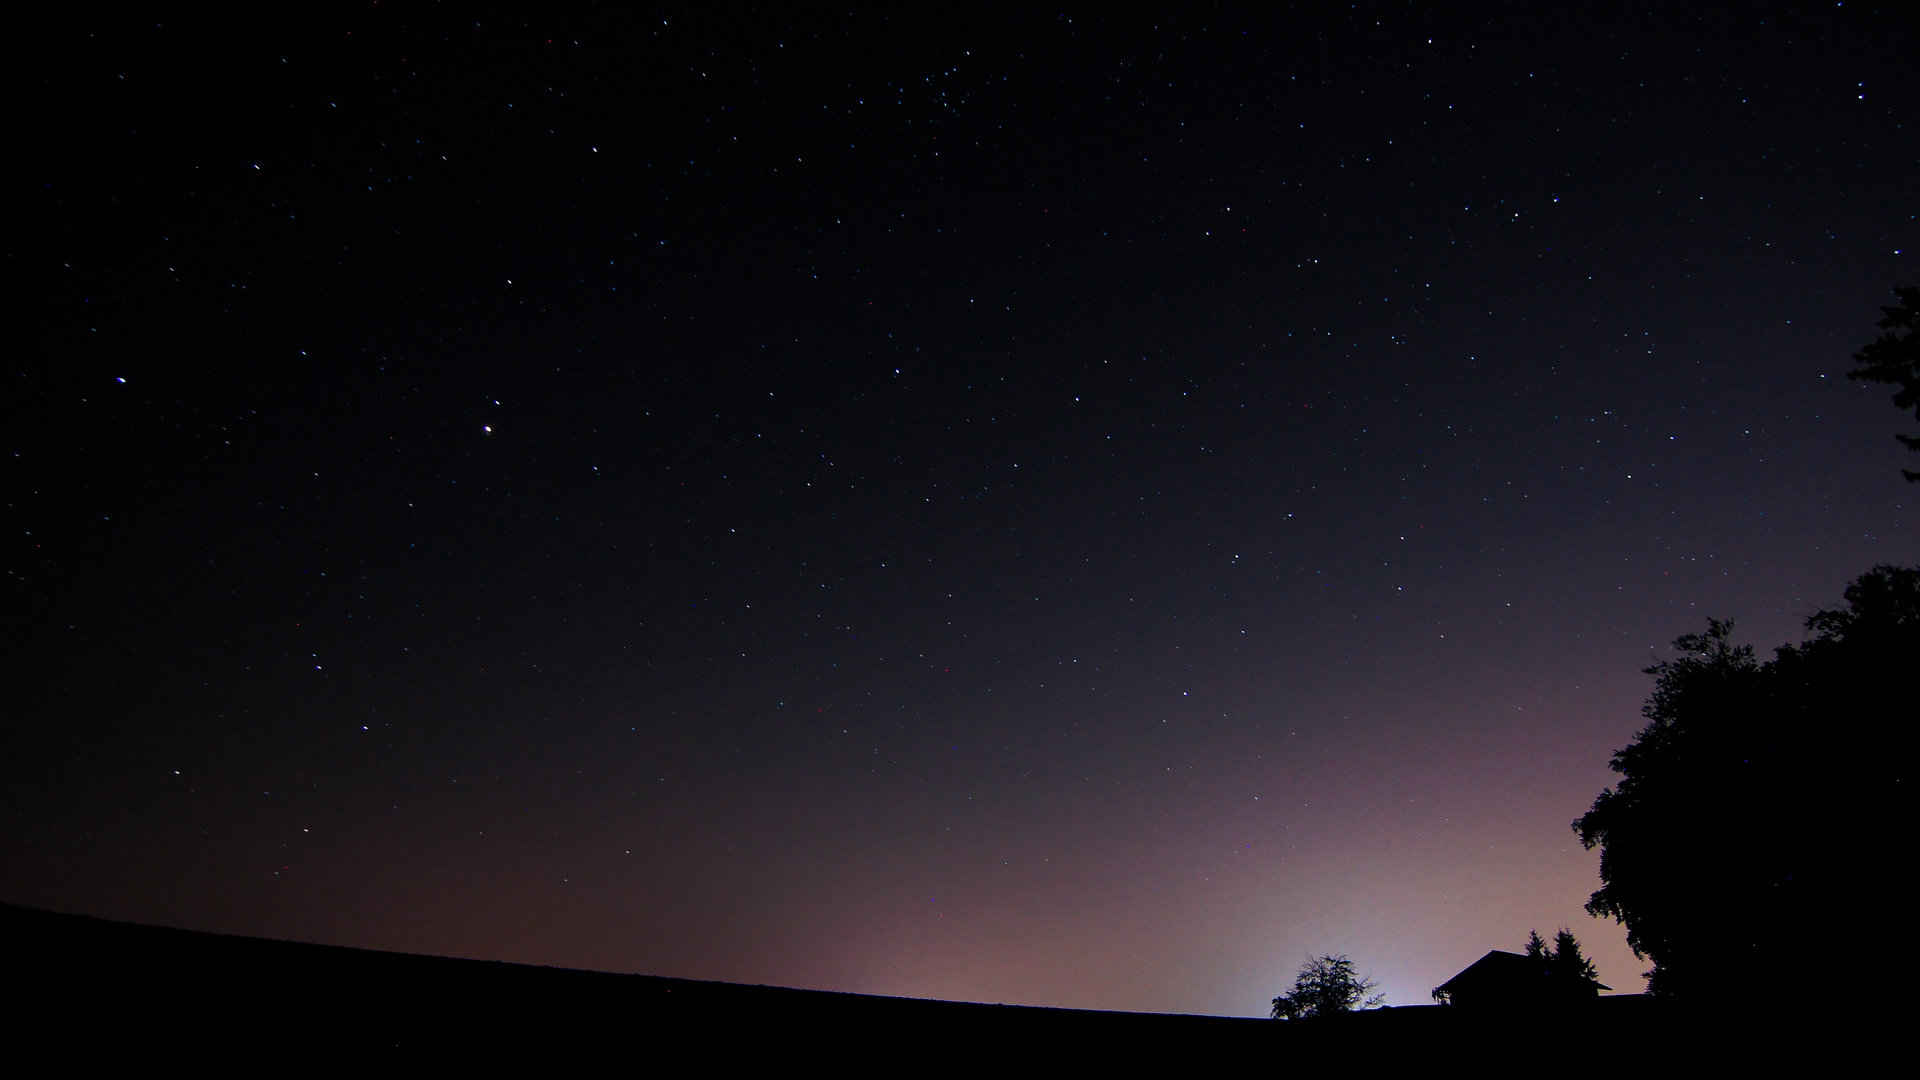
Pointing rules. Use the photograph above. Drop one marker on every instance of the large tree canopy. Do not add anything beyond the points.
(1749, 822)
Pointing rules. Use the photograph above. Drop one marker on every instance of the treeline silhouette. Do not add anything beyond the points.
(1760, 814)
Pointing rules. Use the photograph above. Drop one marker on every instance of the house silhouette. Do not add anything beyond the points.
(1510, 981)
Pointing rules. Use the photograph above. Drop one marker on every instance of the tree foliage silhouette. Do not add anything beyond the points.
(1326, 985)
(1569, 975)
(1894, 358)
(1753, 811)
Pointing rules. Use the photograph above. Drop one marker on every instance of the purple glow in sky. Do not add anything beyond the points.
(1079, 511)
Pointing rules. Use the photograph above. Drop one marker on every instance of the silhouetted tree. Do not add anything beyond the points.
(1325, 985)
(1565, 974)
(1895, 358)
(1572, 974)
(1750, 816)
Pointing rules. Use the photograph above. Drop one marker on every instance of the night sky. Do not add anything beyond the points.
(1068, 509)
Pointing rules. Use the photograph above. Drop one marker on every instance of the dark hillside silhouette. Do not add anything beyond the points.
(99, 992)
(152, 991)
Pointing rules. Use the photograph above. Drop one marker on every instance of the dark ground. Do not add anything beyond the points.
(101, 992)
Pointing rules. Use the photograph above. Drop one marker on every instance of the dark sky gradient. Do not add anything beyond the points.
(1071, 510)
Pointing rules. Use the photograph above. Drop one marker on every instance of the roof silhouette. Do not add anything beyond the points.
(1501, 978)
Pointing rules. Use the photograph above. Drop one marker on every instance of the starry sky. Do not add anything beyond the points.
(1071, 509)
